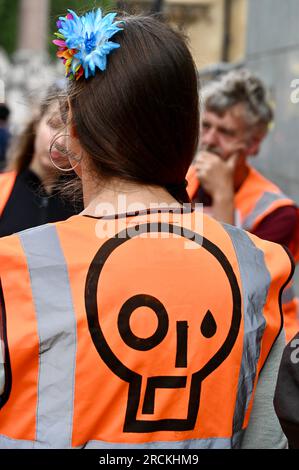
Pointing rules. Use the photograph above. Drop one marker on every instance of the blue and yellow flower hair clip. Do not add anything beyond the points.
(83, 42)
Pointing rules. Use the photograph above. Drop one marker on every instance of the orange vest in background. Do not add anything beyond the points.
(259, 197)
(256, 199)
(7, 181)
(134, 331)
(193, 182)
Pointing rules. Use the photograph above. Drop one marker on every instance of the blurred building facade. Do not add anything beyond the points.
(28, 73)
(216, 28)
(33, 25)
(273, 53)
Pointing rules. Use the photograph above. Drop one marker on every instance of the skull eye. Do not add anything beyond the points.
(208, 326)
(133, 341)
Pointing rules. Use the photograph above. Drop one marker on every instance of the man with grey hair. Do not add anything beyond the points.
(236, 117)
(235, 120)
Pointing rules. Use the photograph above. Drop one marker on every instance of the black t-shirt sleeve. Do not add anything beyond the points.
(286, 399)
(29, 205)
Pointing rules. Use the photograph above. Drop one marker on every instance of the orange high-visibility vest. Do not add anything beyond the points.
(256, 199)
(259, 197)
(7, 181)
(131, 331)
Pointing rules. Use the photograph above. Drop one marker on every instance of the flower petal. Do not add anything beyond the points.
(84, 41)
(59, 42)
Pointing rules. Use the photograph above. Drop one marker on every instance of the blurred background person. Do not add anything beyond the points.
(235, 120)
(4, 133)
(29, 194)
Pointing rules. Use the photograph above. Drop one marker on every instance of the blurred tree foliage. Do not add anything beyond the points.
(9, 24)
(59, 8)
(9, 18)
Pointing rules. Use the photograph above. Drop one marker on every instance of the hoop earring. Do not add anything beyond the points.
(74, 157)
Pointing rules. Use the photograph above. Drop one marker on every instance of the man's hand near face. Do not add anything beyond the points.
(217, 178)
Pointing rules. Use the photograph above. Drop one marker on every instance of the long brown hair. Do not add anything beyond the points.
(139, 120)
(22, 149)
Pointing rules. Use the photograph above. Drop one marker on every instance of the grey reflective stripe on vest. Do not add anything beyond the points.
(288, 295)
(256, 280)
(57, 336)
(213, 443)
(261, 206)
